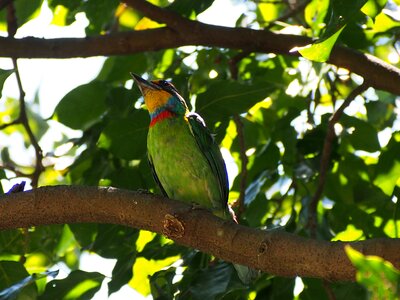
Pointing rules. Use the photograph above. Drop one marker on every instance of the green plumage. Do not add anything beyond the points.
(185, 160)
(187, 163)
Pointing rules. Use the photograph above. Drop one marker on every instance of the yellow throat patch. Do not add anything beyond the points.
(155, 99)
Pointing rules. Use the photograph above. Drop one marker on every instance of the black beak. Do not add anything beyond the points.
(143, 84)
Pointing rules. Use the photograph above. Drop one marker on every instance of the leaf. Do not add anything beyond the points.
(99, 14)
(77, 285)
(83, 106)
(161, 284)
(388, 167)
(3, 76)
(342, 13)
(143, 269)
(320, 50)
(117, 68)
(212, 282)
(255, 187)
(377, 275)
(17, 289)
(223, 99)
(189, 8)
(12, 280)
(360, 134)
(127, 137)
(315, 13)
(113, 241)
(24, 10)
(122, 272)
(384, 23)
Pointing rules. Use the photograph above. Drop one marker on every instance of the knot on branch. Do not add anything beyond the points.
(173, 227)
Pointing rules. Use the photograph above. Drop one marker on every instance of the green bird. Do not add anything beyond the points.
(185, 159)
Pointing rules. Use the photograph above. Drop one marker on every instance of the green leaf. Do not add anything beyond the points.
(127, 137)
(360, 134)
(320, 50)
(78, 285)
(212, 282)
(161, 284)
(377, 275)
(373, 7)
(3, 76)
(388, 167)
(11, 274)
(315, 13)
(118, 68)
(83, 106)
(122, 272)
(100, 15)
(23, 289)
(189, 8)
(113, 241)
(223, 99)
(24, 10)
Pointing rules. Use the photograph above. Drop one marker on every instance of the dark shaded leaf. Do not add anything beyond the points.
(77, 285)
(122, 272)
(127, 137)
(20, 288)
(83, 106)
(223, 99)
(3, 76)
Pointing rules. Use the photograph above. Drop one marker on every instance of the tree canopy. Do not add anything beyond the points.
(302, 97)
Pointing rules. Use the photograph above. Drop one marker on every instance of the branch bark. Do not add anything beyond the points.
(380, 74)
(276, 252)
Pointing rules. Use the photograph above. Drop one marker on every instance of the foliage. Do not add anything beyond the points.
(279, 104)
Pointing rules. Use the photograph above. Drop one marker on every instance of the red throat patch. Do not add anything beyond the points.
(166, 114)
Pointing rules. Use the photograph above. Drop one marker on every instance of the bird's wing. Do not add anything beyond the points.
(211, 151)
(153, 172)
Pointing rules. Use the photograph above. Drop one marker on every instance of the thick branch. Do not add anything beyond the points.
(275, 252)
(380, 74)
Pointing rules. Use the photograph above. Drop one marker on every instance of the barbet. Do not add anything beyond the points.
(176, 135)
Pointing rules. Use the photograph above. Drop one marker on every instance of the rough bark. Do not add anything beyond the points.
(276, 252)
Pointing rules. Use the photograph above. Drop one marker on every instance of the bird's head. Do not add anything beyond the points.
(160, 95)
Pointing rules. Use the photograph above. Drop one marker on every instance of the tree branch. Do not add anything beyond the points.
(380, 74)
(276, 252)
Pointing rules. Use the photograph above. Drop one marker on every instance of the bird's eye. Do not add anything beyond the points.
(164, 83)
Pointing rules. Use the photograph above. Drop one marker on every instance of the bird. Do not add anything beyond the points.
(176, 135)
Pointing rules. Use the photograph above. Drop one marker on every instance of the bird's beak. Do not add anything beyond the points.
(143, 84)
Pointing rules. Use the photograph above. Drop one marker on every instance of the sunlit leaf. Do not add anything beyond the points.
(377, 275)
(315, 13)
(320, 51)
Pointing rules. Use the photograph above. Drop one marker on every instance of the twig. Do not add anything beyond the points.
(15, 122)
(233, 66)
(326, 155)
(23, 118)
(328, 288)
(14, 170)
(4, 3)
(245, 161)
